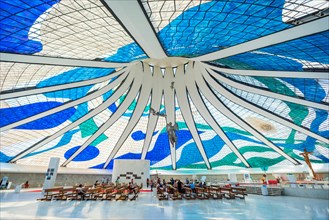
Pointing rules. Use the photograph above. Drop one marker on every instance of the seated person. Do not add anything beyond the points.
(81, 192)
(132, 188)
(227, 185)
(172, 181)
(95, 184)
(187, 181)
(192, 186)
(175, 184)
(164, 183)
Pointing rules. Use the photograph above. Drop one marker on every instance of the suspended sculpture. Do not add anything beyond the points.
(157, 113)
(308, 161)
(172, 85)
(171, 130)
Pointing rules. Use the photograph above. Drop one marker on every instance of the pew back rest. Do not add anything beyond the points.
(53, 190)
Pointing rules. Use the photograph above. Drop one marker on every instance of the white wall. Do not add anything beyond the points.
(18, 168)
(139, 170)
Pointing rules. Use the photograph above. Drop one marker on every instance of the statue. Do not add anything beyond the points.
(157, 113)
(172, 85)
(307, 160)
(171, 132)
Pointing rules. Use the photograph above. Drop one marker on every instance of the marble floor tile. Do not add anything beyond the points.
(24, 205)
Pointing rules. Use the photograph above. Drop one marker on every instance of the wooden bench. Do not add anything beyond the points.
(161, 194)
(109, 193)
(215, 192)
(66, 193)
(188, 193)
(227, 192)
(51, 193)
(122, 193)
(175, 194)
(200, 193)
(239, 192)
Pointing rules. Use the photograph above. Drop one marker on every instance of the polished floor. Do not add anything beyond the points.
(23, 205)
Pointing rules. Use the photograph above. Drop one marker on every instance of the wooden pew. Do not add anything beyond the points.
(161, 194)
(51, 193)
(215, 192)
(122, 193)
(239, 192)
(133, 192)
(101, 193)
(91, 193)
(175, 194)
(109, 193)
(188, 194)
(200, 193)
(66, 193)
(227, 192)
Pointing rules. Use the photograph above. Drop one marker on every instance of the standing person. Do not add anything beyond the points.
(152, 184)
(179, 186)
(263, 179)
(117, 181)
(147, 182)
(26, 184)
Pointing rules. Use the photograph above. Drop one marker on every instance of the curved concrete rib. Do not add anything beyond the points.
(68, 104)
(204, 112)
(187, 114)
(138, 111)
(267, 93)
(237, 120)
(33, 91)
(268, 73)
(133, 18)
(169, 102)
(155, 104)
(234, 98)
(114, 117)
(293, 33)
(115, 96)
(57, 61)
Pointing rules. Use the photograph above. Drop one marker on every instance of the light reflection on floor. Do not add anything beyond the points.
(24, 206)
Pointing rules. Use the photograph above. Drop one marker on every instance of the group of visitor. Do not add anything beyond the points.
(165, 186)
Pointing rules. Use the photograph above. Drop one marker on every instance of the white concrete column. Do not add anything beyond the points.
(51, 173)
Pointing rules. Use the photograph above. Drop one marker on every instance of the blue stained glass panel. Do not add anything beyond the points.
(15, 27)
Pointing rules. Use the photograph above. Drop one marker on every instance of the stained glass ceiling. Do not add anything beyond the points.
(91, 81)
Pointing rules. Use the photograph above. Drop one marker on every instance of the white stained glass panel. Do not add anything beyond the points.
(80, 29)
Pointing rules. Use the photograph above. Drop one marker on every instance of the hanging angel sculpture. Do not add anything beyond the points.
(171, 130)
(157, 113)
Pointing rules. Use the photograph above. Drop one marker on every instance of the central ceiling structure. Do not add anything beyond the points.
(92, 81)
